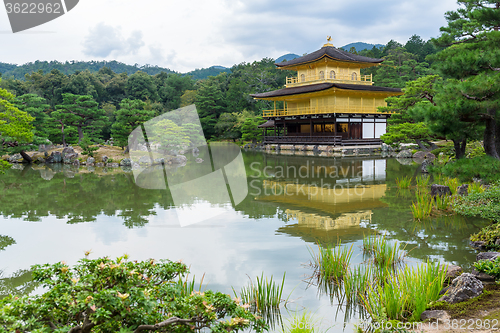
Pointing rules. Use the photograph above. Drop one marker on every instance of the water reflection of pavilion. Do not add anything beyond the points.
(327, 223)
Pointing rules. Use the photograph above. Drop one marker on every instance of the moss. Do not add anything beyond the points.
(473, 308)
(488, 234)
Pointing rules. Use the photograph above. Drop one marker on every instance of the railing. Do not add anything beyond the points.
(331, 139)
(339, 78)
(319, 110)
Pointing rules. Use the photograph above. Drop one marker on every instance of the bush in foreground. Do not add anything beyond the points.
(105, 295)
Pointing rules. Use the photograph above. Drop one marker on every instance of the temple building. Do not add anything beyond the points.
(328, 102)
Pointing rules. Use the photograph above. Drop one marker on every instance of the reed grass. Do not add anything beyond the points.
(187, 286)
(452, 183)
(475, 187)
(303, 323)
(385, 254)
(331, 264)
(422, 181)
(357, 282)
(404, 182)
(405, 294)
(442, 202)
(422, 208)
(263, 295)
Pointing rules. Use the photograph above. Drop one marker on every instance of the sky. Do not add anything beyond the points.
(183, 35)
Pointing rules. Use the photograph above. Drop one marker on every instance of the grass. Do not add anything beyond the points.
(452, 183)
(331, 264)
(422, 208)
(404, 182)
(475, 187)
(357, 282)
(404, 295)
(385, 254)
(188, 286)
(303, 323)
(442, 202)
(422, 181)
(264, 294)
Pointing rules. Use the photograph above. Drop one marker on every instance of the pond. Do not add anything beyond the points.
(293, 202)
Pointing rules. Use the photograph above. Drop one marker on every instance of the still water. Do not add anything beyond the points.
(293, 202)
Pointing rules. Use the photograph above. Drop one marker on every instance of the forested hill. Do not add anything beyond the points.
(70, 67)
(203, 73)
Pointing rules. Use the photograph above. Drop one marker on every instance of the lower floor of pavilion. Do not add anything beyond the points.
(331, 129)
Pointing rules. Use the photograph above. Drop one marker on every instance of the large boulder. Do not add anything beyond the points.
(463, 190)
(405, 154)
(440, 190)
(90, 160)
(126, 162)
(463, 288)
(56, 157)
(435, 315)
(104, 159)
(419, 155)
(485, 278)
(69, 158)
(16, 158)
(479, 245)
(487, 256)
(452, 272)
(67, 150)
(145, 160)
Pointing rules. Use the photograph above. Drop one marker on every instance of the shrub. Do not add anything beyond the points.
(489, 267)
(488, 234)
(87, 148)
(105, 295)
(484, 204)
(466, 169)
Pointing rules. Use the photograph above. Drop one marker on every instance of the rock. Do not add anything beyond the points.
(247, 146)
(126, 162)
(405, 154)
(425, 164)
(196, 151)
(99, 165)
(76, 163)
(89, 164)
(90, 160)
(497, 241)
(419, 155)
(440, 190)
(491, 256)
(430, 156)
(90, 168)
(16, 158)
(67, 150)
(145, 160)
(179, 159)
(478, 245)
(386, 148)
(69, 158)
(41, 160)
(104, 159)
(56, 157)
(483, 276)
(444, 290)
(464, 287)
(199, 160)
(452, 272)
(113, 165)
(463, 190)
(435, 315)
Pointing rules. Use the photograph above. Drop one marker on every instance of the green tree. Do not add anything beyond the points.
(88, 148)
(130, 115)
(168, 134)
(141, 86)
(250, 131)
(15, 125)
(81, 112)
(472, 62)
(105, 295)
(38, 108)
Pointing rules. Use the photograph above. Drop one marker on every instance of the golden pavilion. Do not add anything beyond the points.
(328, 102)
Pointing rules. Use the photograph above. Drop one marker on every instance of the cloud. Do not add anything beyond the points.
(103, 40)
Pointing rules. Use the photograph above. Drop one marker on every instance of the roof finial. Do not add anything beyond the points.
(328, 39)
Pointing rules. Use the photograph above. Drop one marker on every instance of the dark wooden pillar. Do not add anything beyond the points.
(310, 127)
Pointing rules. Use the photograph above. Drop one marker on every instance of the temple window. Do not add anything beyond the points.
(321, 75)
(302, 77)
(332, 74)
(354, 76)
